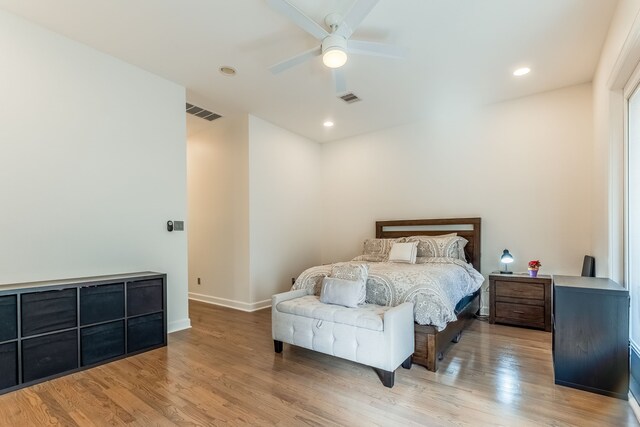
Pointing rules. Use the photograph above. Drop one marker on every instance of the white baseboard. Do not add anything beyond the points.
(238, 305)
(178, 325)
(634, 406)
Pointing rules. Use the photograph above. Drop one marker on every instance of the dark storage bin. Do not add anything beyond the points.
(101, 303)
(144, 296)
(48, 311)
(145, 331)
(102, 342)
(8, 318)
(49, 355)
(8, 365)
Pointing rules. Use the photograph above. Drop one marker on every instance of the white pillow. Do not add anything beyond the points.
(342, 292)
(404, 252)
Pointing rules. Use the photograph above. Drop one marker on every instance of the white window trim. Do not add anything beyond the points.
(621, 78)
(630, 88)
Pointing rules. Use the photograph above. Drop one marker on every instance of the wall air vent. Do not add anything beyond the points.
(202, 113)
(349, 98)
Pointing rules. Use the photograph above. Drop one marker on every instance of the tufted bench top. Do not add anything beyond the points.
(367, 316)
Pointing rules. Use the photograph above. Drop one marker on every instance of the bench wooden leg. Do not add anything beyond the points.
(407, 363)
(386, 377)
(277, 346)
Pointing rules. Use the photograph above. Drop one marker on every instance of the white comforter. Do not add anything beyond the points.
(434, 286)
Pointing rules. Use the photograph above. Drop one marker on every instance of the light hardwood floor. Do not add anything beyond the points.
(224, 371)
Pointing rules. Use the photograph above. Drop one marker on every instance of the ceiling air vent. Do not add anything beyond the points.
(202, 113)
(350, 98)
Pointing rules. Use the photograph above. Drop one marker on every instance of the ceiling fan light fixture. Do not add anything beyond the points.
(334, 51)
(334, 58)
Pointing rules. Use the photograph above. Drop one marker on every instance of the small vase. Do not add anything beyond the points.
(533, 272)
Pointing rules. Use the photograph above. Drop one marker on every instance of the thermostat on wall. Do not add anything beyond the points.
(175, 225)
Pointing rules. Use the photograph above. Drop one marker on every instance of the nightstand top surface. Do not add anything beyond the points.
(518, 276)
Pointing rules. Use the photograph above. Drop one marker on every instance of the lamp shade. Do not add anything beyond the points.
(506, 257)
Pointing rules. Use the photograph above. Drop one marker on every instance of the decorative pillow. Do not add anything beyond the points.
(380, 247)
(353, 271)
(342, 292)
(370, 258)
(404, 252)
(440, 246)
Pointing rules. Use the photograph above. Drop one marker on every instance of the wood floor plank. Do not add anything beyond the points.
(223, 371)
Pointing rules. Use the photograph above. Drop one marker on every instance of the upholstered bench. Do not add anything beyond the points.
(376, 336)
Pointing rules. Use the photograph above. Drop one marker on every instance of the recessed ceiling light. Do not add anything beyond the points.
(522, 71)
(328, 124)
(228, 71)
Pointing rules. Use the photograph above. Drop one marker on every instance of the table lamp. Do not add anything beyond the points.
(506, 259)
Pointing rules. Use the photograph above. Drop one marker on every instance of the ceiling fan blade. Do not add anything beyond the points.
(339, 81)
(355, 16)
(299, 18)
(375, 49)
(298, 59)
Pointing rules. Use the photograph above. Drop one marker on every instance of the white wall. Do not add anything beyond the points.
(285, 207)
(218, 185)
(607, 203)
(254, 210)
(92, 165)
(522, 165)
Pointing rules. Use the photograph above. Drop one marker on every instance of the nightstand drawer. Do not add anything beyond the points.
(519, 290)
(527, 313)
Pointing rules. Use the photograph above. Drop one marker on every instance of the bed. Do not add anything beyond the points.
(431, 344)
(442, 310)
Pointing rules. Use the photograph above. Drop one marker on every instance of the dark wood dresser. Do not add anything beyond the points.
(53, 328)
(520, 300)
(591, 335)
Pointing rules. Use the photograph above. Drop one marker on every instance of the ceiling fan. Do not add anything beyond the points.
(335, 45)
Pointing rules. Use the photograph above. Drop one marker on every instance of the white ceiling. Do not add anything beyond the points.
(460, 53)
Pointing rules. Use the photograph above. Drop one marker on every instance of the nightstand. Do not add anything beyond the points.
(520, 300)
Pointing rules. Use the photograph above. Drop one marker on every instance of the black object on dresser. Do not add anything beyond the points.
(53, 328)
(591, 335)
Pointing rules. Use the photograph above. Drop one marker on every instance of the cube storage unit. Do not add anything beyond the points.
(53, 328)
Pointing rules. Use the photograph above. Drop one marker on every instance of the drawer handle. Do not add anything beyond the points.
(519, 312)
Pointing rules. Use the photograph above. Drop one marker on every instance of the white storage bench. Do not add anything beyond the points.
(376, 336)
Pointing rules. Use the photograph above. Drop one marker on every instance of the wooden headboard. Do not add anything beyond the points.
(469, 228)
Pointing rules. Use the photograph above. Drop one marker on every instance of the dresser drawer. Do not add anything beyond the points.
(525, 313)
(519, 290)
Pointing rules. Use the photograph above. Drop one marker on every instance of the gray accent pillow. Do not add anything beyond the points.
(447, 246)
(370, 258)
(354, 271)
(341, 292)
(380, 247)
